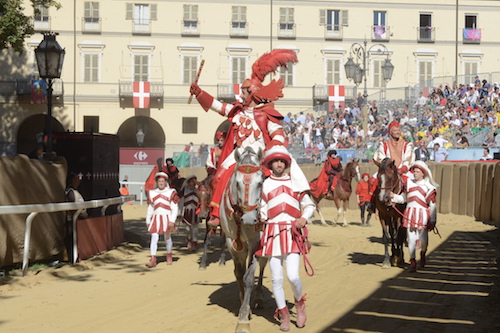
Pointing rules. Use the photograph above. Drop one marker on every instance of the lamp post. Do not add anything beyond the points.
(49, 57)
(355, 69)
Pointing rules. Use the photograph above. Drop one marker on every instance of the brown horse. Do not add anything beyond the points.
(204, 197)
(389, 180)
(341, 193)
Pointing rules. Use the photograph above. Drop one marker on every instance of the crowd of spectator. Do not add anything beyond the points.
(449, 116)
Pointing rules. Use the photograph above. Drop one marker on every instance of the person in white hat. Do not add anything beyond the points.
(283, 209)
(420, 213)
(188, 205)
(161, 214)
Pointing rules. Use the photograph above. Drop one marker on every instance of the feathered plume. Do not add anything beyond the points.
(269, 62)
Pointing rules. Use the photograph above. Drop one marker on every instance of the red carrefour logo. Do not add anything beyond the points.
(140, 155)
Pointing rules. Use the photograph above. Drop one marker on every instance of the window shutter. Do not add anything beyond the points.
(290, 15)
(95, 9)
(194, 14)
(186, 12)
(243, 14)
(345, 18)
(322, 17)
(86, 9)
(153, 11)
(234, 16)
(130, 11)
(283, 15)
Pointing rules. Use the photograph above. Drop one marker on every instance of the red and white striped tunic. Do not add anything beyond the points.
(162, 209)
(421, 204)
(189, 202)
(279, 207)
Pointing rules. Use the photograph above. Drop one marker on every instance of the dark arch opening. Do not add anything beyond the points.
(154, 136)
(28, 134)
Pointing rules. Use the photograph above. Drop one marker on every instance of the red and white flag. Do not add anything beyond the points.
(336, 97)
(237, 92)
(141, 95)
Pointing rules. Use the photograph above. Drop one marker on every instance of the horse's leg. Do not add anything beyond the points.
(316, 201)
(258, 299)
(339, 210)
(345, 204)
(401, 236)
(248, 283)
(222, 259)
(385, 238)
(206, 243)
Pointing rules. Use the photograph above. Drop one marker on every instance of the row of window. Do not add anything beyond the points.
(333, 21)
(333, 69)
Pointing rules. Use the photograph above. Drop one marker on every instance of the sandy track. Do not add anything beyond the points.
(350, 292)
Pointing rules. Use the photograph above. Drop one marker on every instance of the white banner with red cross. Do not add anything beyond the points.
(336, 98)
(141, 95)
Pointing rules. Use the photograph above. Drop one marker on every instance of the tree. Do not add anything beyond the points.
(15, 25)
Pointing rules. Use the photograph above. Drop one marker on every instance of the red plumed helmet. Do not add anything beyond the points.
(268, 63)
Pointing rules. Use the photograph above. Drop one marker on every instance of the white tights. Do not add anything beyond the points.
(413, 236)
(154, 243)
(292, 272)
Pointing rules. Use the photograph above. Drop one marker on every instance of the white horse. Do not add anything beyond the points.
(239, 213)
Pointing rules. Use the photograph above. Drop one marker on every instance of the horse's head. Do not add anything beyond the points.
(204, 194)
(246, 185)
(352, 170)
(388, 179)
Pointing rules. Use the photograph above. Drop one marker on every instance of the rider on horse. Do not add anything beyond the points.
(255, 123)
(397, 149)
(214, 155)
(330, 174)
(420, 213)
(285, 212)
(170, 169)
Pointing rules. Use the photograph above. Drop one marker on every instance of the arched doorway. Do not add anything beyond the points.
(141, 131)
(142, 143)
(30, 132)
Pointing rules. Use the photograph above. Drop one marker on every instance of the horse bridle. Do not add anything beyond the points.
(247, 171)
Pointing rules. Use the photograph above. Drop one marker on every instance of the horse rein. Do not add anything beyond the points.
(435, 229)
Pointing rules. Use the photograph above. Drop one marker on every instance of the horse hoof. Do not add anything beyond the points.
(202, 268)
(243, 328)
(345, 225)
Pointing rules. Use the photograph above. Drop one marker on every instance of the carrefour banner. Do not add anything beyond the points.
(141, 156)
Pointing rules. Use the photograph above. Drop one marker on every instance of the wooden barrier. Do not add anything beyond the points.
(466, 188)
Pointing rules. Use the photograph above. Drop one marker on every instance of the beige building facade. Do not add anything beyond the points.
(112, 43)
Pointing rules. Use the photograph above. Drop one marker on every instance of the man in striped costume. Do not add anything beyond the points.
(396, 148)
(188, 205)
(283, 210)
(420, 213)
(161, 214)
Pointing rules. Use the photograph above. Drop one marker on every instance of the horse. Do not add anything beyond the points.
(239, 216)
(390, 215)
(204, 197)
(342, 192)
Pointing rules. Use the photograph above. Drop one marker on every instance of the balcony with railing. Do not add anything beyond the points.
(41, 23)
(333, 32)
(426, 34)
(126, 93)
(286, 30)
(141, 27)
(381, 33)
(91, 25)
(238, 29)
(190, 28)
(472, 36)
(225, 92)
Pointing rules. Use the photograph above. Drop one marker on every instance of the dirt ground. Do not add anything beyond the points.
(458, 291)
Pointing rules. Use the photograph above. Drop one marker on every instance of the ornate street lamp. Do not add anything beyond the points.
(140, 137)
(356, 70)
(49, 57)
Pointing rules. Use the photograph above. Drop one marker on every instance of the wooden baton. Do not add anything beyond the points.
(197, 77)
